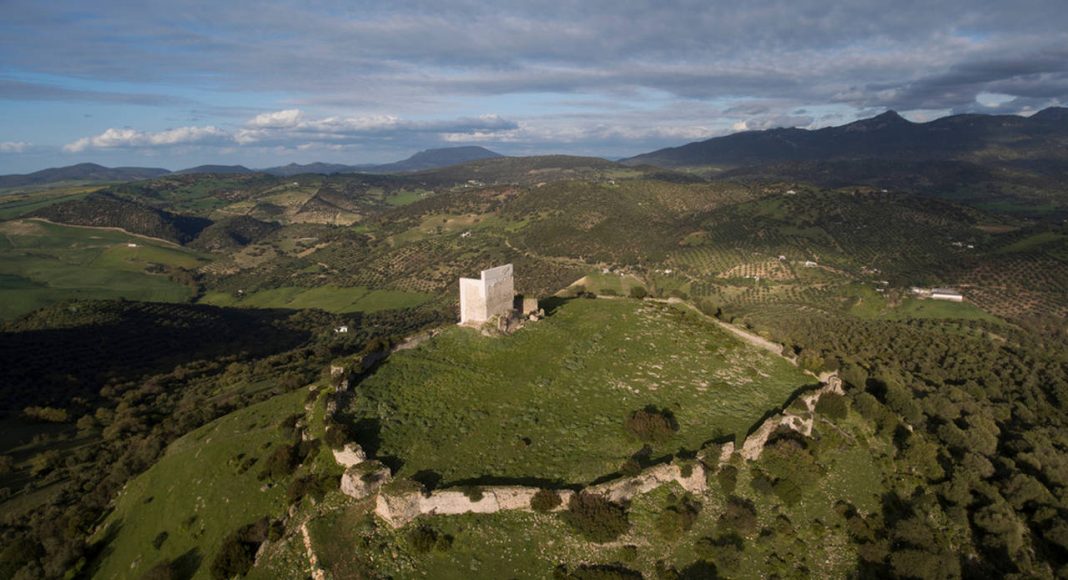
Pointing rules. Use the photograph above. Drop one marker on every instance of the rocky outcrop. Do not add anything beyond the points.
(365, 479)
(350, 455)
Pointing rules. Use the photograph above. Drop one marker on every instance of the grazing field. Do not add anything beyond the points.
(43, 263)
(550, 401)
(330, 298)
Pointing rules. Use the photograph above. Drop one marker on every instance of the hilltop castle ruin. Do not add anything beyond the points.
(492, 295)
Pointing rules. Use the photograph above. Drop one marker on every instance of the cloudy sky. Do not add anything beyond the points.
(179, 83)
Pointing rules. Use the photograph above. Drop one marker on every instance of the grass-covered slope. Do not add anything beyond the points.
(201, 490)
(43, 263)
(550, 401)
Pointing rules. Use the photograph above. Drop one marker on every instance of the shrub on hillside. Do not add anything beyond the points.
(283, 461)
(638, 292)
(238, 550)
(678, 517)
(423, 539)
(739, 516)
(596, 518)
(652, 424)
(833, 405)
(311, 486)
(472, 492)
(727, 476)
(47, 414)
(723, 549)
(337, 435)
(545, 500)
(597, 572)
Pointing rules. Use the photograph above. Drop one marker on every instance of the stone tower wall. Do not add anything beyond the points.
(489, 296)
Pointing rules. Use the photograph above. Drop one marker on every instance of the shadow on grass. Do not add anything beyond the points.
(186, 565)
(102, 548)
(781, 408)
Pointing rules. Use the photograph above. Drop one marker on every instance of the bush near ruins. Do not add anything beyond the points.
(597, 572)
(727, 476)
(739, 516)
(472, 492)
(638, 292)
(423, 539)
(545, 500)
(596, 518)
(236, 555)
(833, 406)
(678, 517)
(652, 424)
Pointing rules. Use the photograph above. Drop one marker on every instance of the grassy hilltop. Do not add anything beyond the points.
(550, 402)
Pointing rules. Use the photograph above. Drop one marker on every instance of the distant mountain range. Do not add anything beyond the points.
(860, 150)
(888, 136)
(424, 160)
(81, 172)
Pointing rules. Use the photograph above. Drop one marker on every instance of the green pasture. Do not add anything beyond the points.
(197, 494)
(549, 402)
(42, 263)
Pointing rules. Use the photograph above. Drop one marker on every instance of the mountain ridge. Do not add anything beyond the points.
(80, 172)
(424, 160)
(888, 135)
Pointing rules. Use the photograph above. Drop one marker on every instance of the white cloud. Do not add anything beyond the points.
(277, 119)
(127, 138)
(292, 129)
(13, 146)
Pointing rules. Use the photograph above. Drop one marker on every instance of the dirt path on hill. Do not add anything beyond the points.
(753, 339)
(109, 228)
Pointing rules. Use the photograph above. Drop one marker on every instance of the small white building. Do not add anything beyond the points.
(946, 294)
(341, 330)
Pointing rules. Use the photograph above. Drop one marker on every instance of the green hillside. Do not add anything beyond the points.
(550, 402)
(43, 263)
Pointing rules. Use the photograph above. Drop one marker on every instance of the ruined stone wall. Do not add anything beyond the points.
(364, 478)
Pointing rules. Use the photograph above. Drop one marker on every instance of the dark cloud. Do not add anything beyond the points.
(580, 74)
(693, 49)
